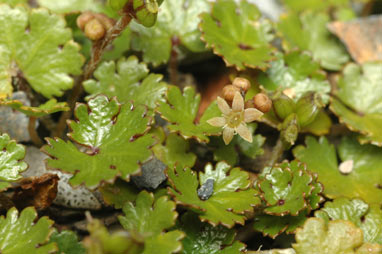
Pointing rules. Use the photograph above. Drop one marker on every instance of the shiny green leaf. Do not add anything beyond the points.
(202, 238)
(335, 237)
(236, 32)
(175, 152)
(37, 44)
(177, 23)
(21, 234)
(308, 31)
(365, 166)
(67, 242)
(11, 163)
(271, 225)
(149, 219)
(181, 111)
(289, 188)
(113, 136)
(128, 80)
(366, 217)
(360, 101)
(297, 73)
(231, 195)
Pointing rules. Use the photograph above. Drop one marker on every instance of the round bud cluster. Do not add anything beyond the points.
(94, 25)
(260, 101)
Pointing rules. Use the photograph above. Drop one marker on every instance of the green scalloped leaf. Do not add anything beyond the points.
(11, 161)
(359, 103)
(334, 237)
(49, 107)
(363, 181)
(177, 22)
(175, 152)
(366, 217)
(67, 242)
(236, 32)
(21, 234)
(148, 219)
(101, 241)
(308, 31)
(289, 188)
(181, 111)
(316, 5)
(273, 226)
(231, 195)
(127, 80)
(45, 55)
(202, 238)
(115, 139)
(118, 193)
(297, 72)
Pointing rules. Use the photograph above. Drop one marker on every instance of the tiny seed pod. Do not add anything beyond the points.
(94, 30)
(262, 102)
(307, 109)
(83, 19)
(242, 84)
(229, 92)
(105, 20)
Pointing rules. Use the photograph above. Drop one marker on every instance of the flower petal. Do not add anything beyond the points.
(244, 132)
(252, 114)
(228, 135)
(217, 121)
(223, 106)
(238, 102)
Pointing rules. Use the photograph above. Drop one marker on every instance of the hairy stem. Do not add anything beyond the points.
(96, 56)
(278, 151)
(173, 63)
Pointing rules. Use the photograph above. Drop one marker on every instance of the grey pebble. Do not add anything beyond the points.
(206, 190)
(152, 174)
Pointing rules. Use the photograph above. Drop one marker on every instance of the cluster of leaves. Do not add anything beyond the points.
(327, 193)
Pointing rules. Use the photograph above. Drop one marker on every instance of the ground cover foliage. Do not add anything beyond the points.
(190, 126)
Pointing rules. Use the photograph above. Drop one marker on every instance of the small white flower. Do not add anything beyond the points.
(234, 119)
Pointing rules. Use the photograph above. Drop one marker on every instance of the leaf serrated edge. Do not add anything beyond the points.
(365, 133)
(214, 50)
(305, 195)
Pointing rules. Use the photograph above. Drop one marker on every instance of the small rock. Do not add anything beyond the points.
(206, 190)
(67, 196)
(346, 167)
(13, 122)
(152, 174)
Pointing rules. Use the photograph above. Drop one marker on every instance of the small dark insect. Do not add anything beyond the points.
(205, 191)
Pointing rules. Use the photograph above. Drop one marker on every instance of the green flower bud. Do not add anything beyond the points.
(283, 106)
(307, 108)
(290, 129)
(146, 11)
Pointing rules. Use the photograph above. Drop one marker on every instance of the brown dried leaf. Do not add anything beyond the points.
(362, 37)
(36, 191)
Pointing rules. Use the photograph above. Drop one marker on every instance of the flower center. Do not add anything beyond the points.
(234, 119)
